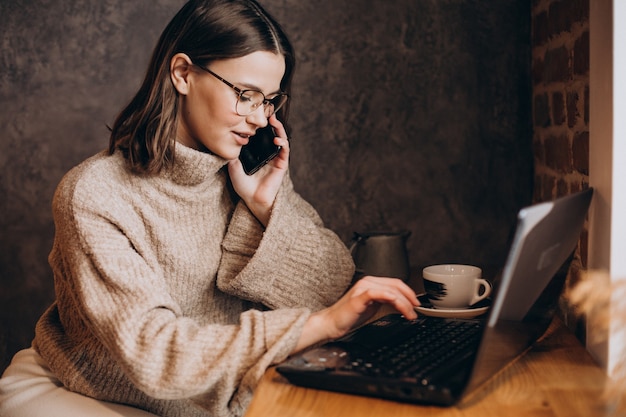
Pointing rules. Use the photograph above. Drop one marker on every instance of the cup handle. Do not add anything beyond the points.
(481, 283)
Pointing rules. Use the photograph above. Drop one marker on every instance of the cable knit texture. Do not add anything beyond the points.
(171, 296)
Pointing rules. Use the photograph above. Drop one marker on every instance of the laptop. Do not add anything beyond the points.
(384, 358)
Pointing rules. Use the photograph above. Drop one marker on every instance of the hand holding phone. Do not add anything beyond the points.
(259, 151)
(259, 191)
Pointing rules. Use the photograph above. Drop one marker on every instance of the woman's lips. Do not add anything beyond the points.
(242, 138)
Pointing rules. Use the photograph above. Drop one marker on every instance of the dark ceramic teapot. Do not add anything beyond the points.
(381, 254)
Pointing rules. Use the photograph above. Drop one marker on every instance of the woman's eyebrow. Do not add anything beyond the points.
(248, 86)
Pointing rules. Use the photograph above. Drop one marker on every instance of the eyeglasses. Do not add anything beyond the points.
(250, 100)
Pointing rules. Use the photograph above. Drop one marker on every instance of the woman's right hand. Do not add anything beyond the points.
(357, 306)
(259, 191)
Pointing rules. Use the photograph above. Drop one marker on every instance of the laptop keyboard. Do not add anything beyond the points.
(433, 348)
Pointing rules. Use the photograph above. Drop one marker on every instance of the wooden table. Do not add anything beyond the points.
(556, 378)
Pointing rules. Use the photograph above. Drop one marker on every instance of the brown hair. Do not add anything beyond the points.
(205, 30)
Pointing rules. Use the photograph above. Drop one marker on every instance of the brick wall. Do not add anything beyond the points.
(560, 74)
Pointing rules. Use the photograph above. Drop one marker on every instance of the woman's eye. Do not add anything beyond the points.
(251, 96)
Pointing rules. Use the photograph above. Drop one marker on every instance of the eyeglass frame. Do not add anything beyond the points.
(241, 92)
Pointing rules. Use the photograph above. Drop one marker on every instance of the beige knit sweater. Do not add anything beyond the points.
(170, 295)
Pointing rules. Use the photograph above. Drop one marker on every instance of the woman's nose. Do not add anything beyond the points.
(258, 117)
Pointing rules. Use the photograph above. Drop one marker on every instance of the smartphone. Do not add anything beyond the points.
(259, 151)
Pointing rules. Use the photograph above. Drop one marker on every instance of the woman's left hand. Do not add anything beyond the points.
(259, 190)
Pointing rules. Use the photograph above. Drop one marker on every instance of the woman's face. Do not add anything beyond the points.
(208, 119)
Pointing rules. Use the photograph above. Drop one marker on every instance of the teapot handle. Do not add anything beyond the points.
(356, 239)
(354, 242)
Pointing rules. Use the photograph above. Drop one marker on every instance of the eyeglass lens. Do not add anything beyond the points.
(250, 100)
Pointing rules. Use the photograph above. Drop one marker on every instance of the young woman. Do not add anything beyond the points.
(179, 279)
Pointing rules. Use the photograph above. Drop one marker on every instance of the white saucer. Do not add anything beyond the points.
(457, 313)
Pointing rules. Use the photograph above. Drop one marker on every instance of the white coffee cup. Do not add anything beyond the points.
(455, 286)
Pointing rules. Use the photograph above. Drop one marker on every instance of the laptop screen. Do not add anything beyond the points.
(526, 295)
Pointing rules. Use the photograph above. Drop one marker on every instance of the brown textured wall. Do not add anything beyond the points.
(407, 114)
(560, 76)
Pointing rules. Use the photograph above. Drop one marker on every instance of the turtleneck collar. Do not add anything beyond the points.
(192, 167)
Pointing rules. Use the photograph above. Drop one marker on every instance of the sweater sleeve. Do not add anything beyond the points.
(295, 261)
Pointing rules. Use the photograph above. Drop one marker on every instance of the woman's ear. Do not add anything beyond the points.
(180, 67)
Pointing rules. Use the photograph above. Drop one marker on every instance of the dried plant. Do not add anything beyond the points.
(604, 304)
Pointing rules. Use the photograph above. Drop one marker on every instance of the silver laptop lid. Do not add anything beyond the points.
(527, 293)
